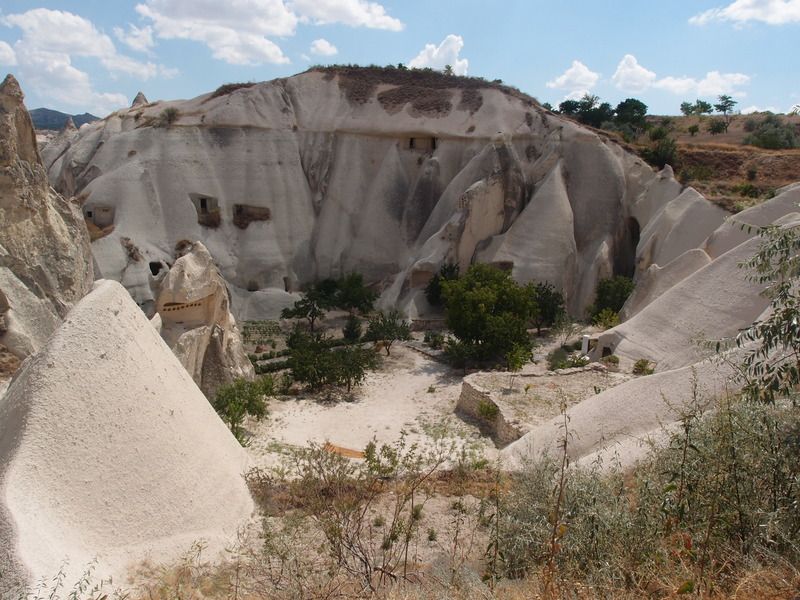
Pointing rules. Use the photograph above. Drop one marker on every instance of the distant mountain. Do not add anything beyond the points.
(45, 118)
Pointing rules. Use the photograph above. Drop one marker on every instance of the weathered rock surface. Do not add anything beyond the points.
(194, 309)
(384, 172)
(45, 258)
(109, 450)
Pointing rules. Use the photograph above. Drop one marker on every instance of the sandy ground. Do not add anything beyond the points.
(410, 393)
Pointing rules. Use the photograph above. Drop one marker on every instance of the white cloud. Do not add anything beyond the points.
(7, 55)
(713, 84)
(630, 76)
(52, 75)
(772, 12)
(356, 13)
(749, 110)
(323, 47)
(60, 33)
(139, 39)
(577, 80)
(235, 33)
(446, 53)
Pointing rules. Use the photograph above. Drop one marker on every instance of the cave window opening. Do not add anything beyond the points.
(155, 267)
(207, 208)
(625, 260)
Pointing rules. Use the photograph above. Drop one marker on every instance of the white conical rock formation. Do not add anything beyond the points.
(108, 449)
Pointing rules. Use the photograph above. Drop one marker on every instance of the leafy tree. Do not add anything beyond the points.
(488, 311)
(233, 402)
(725, 105)
(564, 328)
(550, 303)
(569, 107)
(772, 133)
(772, 368)
(693, 129)
(687, 108)
(448, 70)
(547, 106)
(352, 329)
(611, 294)
(433, 291)
(717, 126)
(349, 365)
(352, 295)
(701, 107)
(313, 305)
(631, 112)
(388, 328)
(606, 319)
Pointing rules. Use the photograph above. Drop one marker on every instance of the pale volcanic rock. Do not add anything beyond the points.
(109, 450)
(195, 320)
(376, 171)
(45, 258)
(139, 100)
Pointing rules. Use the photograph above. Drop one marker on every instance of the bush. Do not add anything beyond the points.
(560, 359)
(233, 402)
(694, 130)
(434, 339)
(717, 126)
(606, 319)
(773, 134)
(611, 359)
(550, 303)
(167, 117)
(433, 291)
(663, 152)
(643, 367)
(611, 294)
(352, 329)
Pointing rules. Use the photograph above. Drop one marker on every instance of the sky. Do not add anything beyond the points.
(95, 55)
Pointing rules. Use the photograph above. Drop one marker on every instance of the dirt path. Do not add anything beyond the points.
(410, 393)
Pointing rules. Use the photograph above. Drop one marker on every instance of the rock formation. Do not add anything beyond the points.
(109, 450)
(139, 100)
(381, 171)
(194, 310)
(45, 258)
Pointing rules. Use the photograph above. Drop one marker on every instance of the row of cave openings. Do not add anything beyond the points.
(207, 208)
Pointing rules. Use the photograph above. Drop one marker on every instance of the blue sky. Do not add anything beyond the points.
(95, 55)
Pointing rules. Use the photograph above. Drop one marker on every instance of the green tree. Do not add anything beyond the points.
(349, 365)
(433, 291)
(550, 303)
(631, 112)
(569, 108)
(448, 70)
(233, 402)
(693, 129)
(352, 329)
(725, 105)
(611, 294)
(488, 311)
(387, 328)
(663, 152)
(312, 306)
(687, 108)
(701, 107)
(353, 295)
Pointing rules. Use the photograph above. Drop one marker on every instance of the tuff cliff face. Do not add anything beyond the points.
(45, 258)
(380, 171)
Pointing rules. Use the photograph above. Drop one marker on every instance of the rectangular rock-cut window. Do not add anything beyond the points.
(207, 208)
(100, 215)
(244, 214)
(422, 144)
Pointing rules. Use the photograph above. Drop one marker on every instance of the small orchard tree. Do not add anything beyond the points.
(311, 307)
(694, 129)
(516, 358)
(701, 107)
(349, 365)
(687, 108)
(564, 328)
(611, 294)
(550, 303)
(233, 402)
(352, 329)
(387, 328)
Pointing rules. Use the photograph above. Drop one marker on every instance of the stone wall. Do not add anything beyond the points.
(488, 412)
